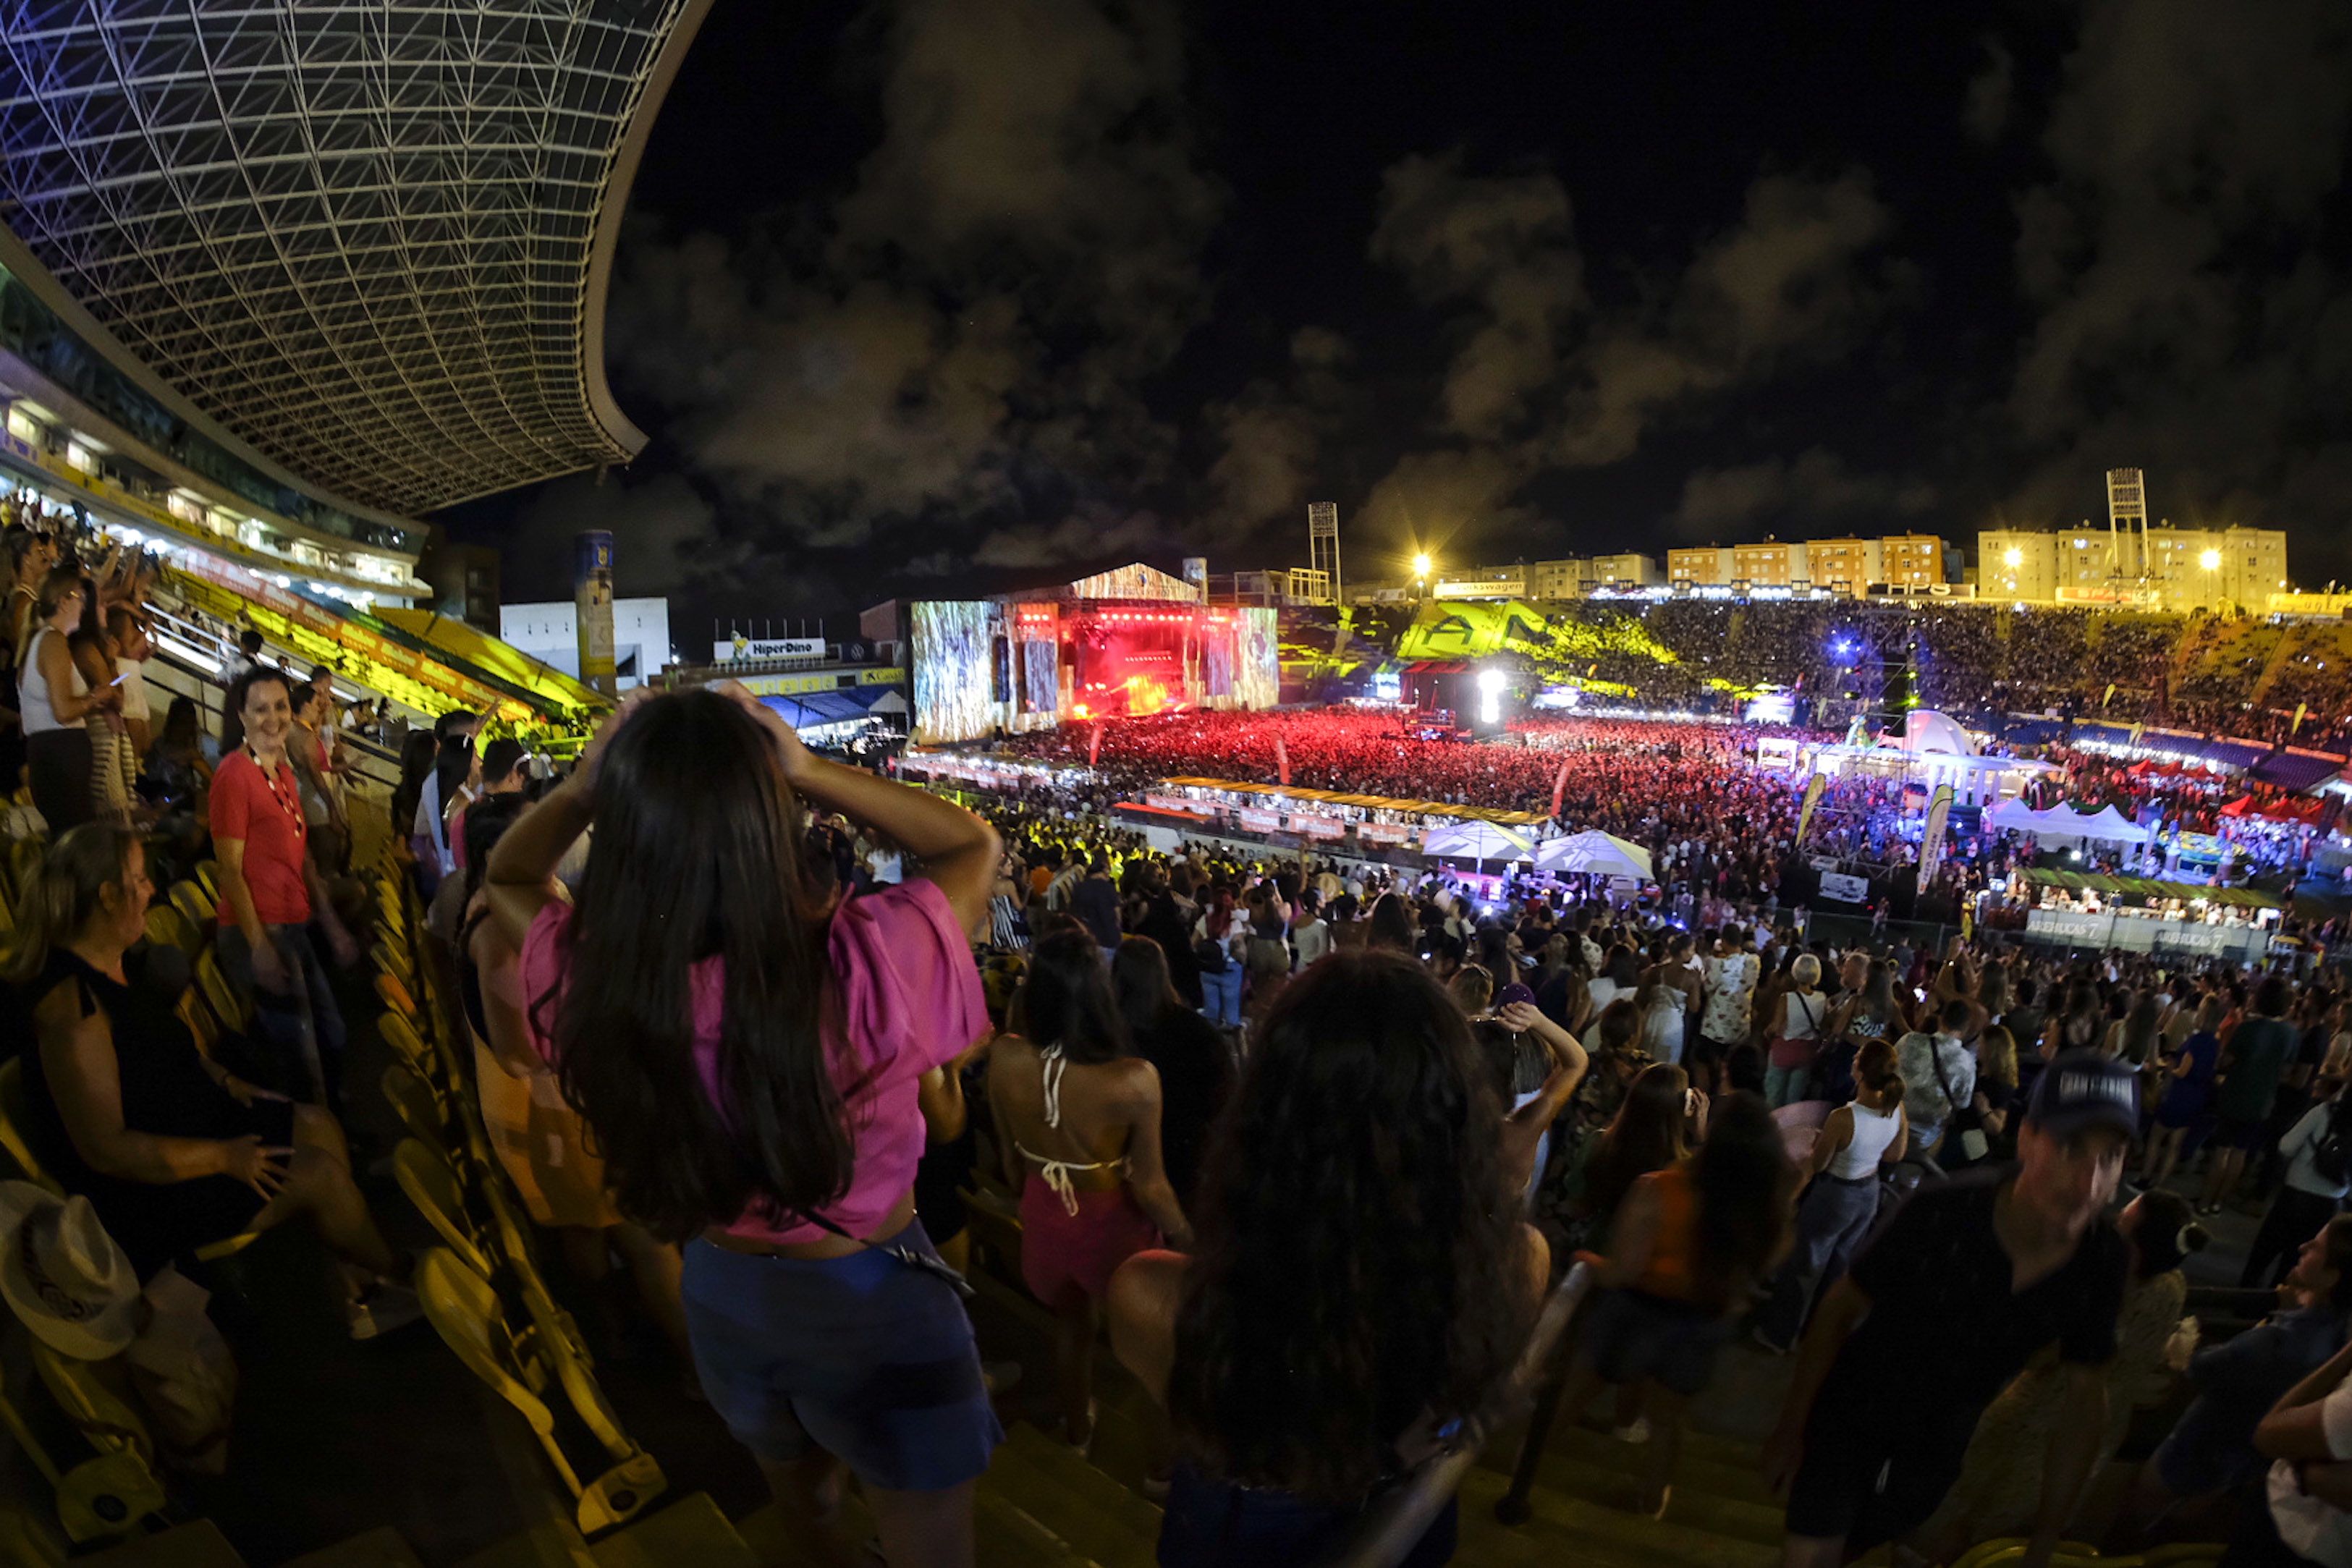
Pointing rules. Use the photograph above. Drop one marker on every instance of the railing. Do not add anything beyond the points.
(1397, 1522)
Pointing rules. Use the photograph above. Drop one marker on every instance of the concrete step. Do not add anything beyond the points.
(1048, 1481)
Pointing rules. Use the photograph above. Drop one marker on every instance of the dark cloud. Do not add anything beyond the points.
(1816, 488)
(2188, 317)
(960, 336)
(1985, 112)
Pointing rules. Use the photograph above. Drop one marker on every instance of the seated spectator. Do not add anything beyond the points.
(1195, 1066)
(2308, 1437)
(1078, 1125)
(1314, 1346)
(1685, 1251)
(751, 1072)
(2210, 1449)
(172, 1150)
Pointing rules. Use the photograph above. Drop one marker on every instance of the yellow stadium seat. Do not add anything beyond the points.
(208, 877)
(391, 960)
(464, 1310)
(401, 1035)
(13, 1126)
(228, 1007)
(111, 1493)
(167, 927)
(199, 1019)
(198, 905)
(421, 1110)
(425, 1174)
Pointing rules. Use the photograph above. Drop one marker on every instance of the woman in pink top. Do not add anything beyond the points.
(751, 1069)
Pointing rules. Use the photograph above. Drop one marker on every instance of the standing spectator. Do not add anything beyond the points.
(2251, 1064)
(271, 891)
(2318, 1154)
(1314, 1344)
(1940, 1076)
(1310, 937)
(752, 1068)
(245, 656)
(1218, 938)
(133, 648)
(1095, 901)
(1685, 1249)
(1196, 1068)
(1799, 1041)
(2001, 1487)
(1971, 1279)
(2188, 1077)
(1859, 1141)
(56, 702)
(1078, 1125)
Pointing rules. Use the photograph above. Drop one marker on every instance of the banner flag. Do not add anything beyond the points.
(1813, 788)
(1094, 746)
(1931, 839)
(1282, 761)
(1558, 789)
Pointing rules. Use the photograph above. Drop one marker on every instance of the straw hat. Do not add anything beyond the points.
(64, 1275)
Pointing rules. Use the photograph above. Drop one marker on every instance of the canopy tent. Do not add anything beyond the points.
(2106, 825)
(2144, 887)
(823, 712)
(1593, 853)
(1478, 842)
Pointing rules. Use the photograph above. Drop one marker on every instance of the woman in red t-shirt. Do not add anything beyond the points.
(270, 893)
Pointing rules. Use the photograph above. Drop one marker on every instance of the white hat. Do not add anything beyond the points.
(64, 1275)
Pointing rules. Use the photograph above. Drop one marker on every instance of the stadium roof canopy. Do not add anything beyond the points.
(372, 241)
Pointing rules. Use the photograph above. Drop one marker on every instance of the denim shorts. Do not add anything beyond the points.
(864, 1356)
(1629, 1335)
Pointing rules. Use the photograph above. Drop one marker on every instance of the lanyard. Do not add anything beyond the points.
(293, 809)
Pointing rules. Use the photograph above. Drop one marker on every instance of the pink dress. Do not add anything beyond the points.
(910, 998)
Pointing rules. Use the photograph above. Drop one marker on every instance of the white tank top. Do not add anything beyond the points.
(33, 690)
(1873, 1131)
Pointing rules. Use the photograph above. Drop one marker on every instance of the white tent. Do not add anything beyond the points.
(1476, 841)
(1593, 853)
(2105, 826)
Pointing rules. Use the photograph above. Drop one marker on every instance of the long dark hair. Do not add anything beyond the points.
(698, 858)
(1744, 1182)
(455, 761)
(1646, 1135)
(1066, 999)
(416, 753)
(1354, 1271)
(1392, 926)
(1145, 990)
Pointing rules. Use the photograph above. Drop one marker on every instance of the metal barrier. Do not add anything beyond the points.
(1397, 1521)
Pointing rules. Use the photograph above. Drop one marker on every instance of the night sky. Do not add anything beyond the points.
(935, 297)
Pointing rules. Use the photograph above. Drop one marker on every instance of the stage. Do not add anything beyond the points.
(1126, 643)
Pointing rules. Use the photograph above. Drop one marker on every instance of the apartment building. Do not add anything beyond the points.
(1912, 561)
(1702, 566)
(1848, 565)
(1772, 564)
(2020, 565)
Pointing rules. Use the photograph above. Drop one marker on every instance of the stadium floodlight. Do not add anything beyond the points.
(2014, 559)
(1421, 565)
(2210, 561)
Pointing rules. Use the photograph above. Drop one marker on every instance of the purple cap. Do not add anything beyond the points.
(1514, 993)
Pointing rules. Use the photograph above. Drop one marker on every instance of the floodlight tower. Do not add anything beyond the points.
(1323, 544)
(2127, 510)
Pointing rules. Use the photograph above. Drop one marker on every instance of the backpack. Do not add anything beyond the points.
(2331, 1155)
(1209, 953)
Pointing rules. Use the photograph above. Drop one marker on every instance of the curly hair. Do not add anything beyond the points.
(1359, 1264)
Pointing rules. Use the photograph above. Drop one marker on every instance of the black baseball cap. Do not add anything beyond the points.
(2084, 1089)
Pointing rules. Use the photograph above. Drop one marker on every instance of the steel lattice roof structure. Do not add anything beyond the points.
(369, 240)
